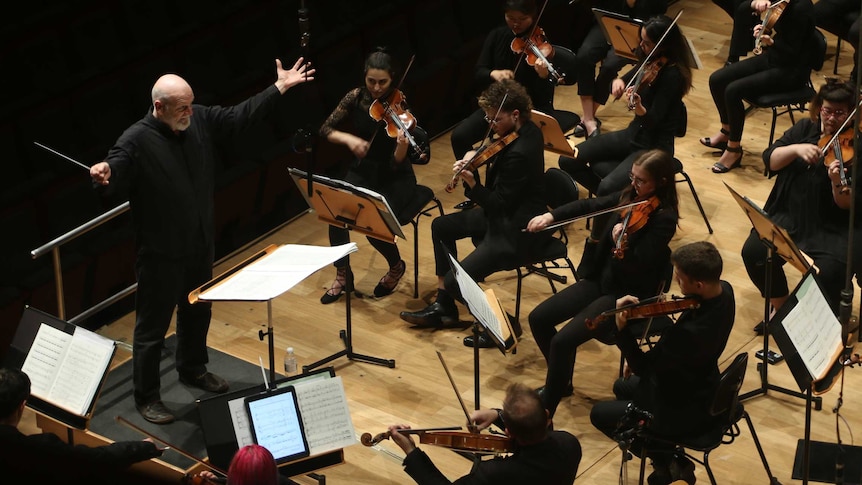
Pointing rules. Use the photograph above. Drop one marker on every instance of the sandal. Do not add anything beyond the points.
(719, 168)
(390, 280)
(581, 129)
(337, 289)
(722, 145)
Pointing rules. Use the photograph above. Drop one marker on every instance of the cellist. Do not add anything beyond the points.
(621, 262)
(809, 198)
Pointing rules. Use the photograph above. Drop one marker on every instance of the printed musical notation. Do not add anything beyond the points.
(323, 406)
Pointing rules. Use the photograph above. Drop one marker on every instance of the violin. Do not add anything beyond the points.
(772, 14)
(461, 441)
(394, 113)
(647, 75)
(536, 47)
(634, 219)
(647, 309)
(483, 154)
(840, 146)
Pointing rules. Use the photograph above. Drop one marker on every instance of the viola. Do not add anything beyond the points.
(647, 310)
(483, 154)
(461, 441)
(634, 219)
(840, 146)
(536, 47)
(392, 110)
(773, 13)
(646, 76)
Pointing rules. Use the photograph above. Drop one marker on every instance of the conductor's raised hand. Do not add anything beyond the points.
(101, 173)
(299, 73)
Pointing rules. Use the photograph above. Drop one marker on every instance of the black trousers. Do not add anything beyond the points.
(831, 276)
(164, 284)
(840, 17)
(749, 78)
(595, 49)
(575, 303)
(744, 20)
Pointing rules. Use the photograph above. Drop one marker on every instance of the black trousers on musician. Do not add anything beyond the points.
(164, 284)
(595, 49)
(840, 17)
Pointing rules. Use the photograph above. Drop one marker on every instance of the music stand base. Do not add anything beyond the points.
(764, 388)
(350, 355)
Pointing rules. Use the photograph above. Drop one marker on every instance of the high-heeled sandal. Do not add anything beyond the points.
(722, 145)
(390, 280)
(337, 286)
(719, 168)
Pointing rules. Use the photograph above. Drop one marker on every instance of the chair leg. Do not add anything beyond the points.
(837, 54)
(772, 130)
(518, 295)
(415, 259)
(697, 200)
(757, 444)
(642, 474)
(708, 468)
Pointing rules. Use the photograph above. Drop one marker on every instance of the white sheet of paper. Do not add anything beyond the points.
(276, 272)
(812, 327)
(44, 358)
(476, 301)
(325, 415)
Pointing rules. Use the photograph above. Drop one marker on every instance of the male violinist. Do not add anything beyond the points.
(676, 379)
(809, 197)
(45, 458)
(539, 455)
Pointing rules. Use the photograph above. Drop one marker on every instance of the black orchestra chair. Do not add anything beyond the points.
(794, 99)
(560, 188)
(679, 169)
(728, 411)
(423, 204)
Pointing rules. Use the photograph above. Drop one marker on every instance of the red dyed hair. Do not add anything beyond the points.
(252, 465)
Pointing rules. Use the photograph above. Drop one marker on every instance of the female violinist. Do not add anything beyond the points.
(676, 379)
(808, 197)
(539, 456)
(384, 165)
(604, 162)
(510, 197)
(603, 277)
(789, 54)
(251, 464)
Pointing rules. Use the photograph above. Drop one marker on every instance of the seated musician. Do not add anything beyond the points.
(250, 465)
(638, 268)
(510, 197)
(676, 380)
(809, 198)
(539, 455)
(842, 18)
(45, 458)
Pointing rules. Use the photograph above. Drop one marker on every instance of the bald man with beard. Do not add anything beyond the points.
(165, 165)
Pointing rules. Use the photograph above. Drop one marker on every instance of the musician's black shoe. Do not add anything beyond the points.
(660, 476)
(467, 204)
(568, 391)
(758, 329)
(434, 315)
(681, 468)
(155, 412)
(208, 382)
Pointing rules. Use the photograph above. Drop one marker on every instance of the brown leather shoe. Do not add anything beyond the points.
(208, 382)
(155, 412)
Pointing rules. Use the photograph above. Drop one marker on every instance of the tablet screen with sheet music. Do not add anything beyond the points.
(276, 424)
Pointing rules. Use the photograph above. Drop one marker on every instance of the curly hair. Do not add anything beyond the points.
(507, 96)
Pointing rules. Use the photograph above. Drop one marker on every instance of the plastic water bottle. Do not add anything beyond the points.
(289, 362)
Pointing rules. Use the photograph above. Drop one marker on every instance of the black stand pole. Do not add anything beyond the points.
(269, 332)
(476, 365)
(347, 336)
(763, 365)
(806, 442)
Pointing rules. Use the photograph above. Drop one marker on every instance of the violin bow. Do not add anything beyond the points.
(654, 49)
(591, 214)
(397, 88)
(470, 424)
(186, 454)
(841, 128)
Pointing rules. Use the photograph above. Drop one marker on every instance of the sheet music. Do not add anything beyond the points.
(323, 406)
(277, 425)
(239, 419)
(65, 369)
(476, 301)
(813, 328)
(276, 272)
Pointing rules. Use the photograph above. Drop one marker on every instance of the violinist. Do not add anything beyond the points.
(604, 276)
(808, 197)
(511, 196)
(540, 455)
(604, 162)
(250, 465)
(677, 378)
(497, 61)
(45, 458)
(789, 54)
(384, 166)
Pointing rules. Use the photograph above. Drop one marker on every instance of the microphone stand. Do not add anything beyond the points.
(304, 136)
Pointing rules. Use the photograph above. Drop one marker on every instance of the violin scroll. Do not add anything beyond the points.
(367, 440)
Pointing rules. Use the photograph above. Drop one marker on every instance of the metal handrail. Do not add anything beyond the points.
(54, 248)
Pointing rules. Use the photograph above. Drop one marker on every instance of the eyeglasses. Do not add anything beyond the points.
(490, 121)
(834, 113)
(637, 180)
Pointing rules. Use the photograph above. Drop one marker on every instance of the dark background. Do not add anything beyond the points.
(78, 73)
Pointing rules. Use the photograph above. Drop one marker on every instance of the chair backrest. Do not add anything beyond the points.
(727, 395)
(560, 187)
(818, 54)
(682, 127)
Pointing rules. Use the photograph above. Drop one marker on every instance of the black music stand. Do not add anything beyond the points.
(344, 205)
(810, 337)
(777, 241)
(621, 31)
(489, 314)
(252, 280)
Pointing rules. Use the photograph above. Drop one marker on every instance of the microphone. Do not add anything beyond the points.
(304, 30)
